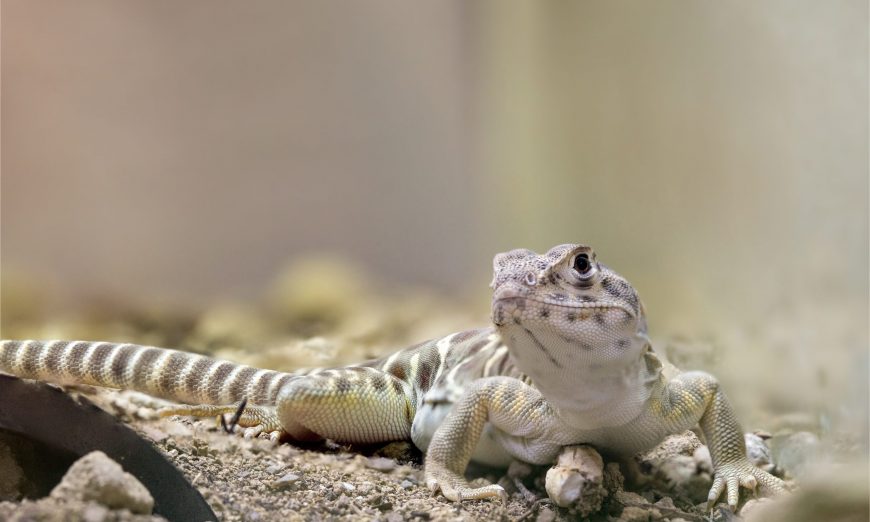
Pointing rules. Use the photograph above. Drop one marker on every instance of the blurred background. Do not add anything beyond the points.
(716, 154)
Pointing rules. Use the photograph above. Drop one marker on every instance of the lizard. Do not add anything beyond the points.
(566, 361)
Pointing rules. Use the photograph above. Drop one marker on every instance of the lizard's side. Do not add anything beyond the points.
(567, 362)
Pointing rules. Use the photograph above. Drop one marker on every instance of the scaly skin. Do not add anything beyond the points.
(568, 362)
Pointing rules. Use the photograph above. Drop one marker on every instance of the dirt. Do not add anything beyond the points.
(322, 315)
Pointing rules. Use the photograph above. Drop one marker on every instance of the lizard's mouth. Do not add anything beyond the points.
(520, 302)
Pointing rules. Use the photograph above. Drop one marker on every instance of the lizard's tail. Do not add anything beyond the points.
(170, 374)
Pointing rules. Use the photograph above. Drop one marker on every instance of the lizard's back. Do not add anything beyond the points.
(440, 370)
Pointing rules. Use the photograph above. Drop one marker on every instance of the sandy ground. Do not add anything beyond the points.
(261, 480)
(322, 316)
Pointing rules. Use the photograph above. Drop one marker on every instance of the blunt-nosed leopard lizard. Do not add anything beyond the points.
(567, 362)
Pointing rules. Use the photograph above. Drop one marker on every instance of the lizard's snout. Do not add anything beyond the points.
(506, 301)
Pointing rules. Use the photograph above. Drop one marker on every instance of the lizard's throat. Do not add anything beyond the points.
(584, 378)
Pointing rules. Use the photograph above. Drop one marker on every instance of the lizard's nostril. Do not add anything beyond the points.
(531, 279)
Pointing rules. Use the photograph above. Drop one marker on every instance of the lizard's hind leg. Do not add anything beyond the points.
(351, 405)
(255, 419)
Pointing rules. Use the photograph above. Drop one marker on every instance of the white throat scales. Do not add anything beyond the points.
(583, 382)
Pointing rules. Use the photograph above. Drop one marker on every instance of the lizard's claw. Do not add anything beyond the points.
(455, 488)
(731, 476)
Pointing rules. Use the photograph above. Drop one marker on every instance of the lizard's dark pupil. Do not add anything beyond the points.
(581, 263)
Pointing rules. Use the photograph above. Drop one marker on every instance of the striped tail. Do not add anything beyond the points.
(170, 374)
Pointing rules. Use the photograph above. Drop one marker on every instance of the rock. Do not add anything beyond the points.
(97, 477)
(576, 481)
(758, 452)
(276, 468)
(681, 464)
(702, 459)
(545, 515)
(394, 516)
(796, 453)
(665, 503)
(381, 463)
(94, 512)
(752, 505)
(680, 444)
(629, 498)
(287, 481)
(679, 469)
(636, 514)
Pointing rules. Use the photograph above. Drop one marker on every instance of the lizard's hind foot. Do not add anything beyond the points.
(455, 488)
(255, 420)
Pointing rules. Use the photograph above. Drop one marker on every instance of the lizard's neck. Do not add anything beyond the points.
(588, 384)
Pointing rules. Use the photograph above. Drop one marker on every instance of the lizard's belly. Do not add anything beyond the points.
(430, 415)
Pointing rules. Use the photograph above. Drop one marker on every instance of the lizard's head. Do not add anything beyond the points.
(565, 309)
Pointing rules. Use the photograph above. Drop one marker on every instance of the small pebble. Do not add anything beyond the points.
(758, 452)
(286, 481)
(702, 459)
(796, 452)
(546, 515)
(381, 464)
(275, 468)
(393, 516)
(576, 481)
(665, 502)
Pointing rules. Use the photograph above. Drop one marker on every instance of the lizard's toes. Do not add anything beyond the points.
(715, 491)
(749, 482)
(253, 432)
(732, 476)
(454, 487)
(491, 491)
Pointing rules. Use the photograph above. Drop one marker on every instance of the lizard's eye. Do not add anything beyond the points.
(582, 264)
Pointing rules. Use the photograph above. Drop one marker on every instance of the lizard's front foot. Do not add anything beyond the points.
(454, 487)
(730, 476)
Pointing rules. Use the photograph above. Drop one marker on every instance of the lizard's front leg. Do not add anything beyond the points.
(696, 397)
(509, 405)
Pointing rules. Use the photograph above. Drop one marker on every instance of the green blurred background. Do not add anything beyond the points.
(715, 153)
